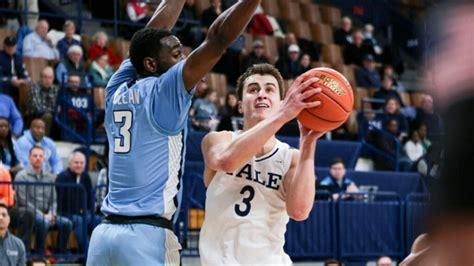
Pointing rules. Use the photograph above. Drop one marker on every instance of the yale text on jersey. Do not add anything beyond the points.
(131, 96)
(269, 180)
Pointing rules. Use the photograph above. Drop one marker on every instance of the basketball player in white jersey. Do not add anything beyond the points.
(255, 182)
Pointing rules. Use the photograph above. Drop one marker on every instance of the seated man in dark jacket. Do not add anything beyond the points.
(337, 181)
(71, 200)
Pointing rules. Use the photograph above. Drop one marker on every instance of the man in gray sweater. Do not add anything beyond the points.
(39, 201)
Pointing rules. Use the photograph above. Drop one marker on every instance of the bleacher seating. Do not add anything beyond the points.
(331, 15)
(310, 12)
(322, 33)
(289, 10)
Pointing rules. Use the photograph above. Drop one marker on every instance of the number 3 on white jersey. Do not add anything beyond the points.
(123, 143)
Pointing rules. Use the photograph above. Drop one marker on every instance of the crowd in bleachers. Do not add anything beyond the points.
(47, 73)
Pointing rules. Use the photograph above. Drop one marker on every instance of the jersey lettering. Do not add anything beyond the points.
(272, 181)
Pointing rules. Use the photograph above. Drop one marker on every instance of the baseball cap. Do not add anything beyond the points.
(257, 43)
(293, 48)
(9, 41)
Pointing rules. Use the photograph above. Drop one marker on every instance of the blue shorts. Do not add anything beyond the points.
(132, 244)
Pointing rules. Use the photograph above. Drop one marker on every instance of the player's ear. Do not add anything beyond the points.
(239, 105)
(150, 64)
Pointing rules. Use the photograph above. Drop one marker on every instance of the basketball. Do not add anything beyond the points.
(337, 100)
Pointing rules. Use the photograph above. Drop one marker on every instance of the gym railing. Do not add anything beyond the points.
(30, 205)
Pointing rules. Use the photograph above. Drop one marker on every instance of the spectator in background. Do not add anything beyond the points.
(290, 67)
(367, 76)
(99, 47)
(355, 52)
(387, 145)
(9, 110)
(413, 147)
(387, 90)
(423, 133)
(73, 65)
(13, 250)
(228, 111)
(203, 113)
(137, 11)
(101, 72)
(426, 115)
(63, 45)
(41, 201)
(306, 46)
(71, 200)
(370, 40)
(210, 14)
(290, 39)
(12, 70)
(189, 34)
(387, 70)
(79, 104)
(35, 137)
(257, 56)
(343, 36)
(38, 44)
(8, 156)
(260, 24)
(392, 111)
(305, 62)
(7, 195)
(337, 182)
(384, 261)
(42, 98)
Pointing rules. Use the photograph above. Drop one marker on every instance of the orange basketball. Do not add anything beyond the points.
(337, 100)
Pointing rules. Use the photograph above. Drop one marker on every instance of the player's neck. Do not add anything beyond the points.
(267, 147)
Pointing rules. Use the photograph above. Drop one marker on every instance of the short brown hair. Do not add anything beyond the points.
(260, 69)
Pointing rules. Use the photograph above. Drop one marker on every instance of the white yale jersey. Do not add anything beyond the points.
(245, 219)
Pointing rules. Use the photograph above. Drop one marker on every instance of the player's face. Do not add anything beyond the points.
(170, 54)
(261, 97)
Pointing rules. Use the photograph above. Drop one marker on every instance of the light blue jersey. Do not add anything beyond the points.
(146, 123)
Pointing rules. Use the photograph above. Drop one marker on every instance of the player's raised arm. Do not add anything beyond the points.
(222, 33)
(300, 181)
(227, 156)
(166, 14)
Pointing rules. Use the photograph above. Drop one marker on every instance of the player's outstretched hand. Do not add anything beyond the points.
(297, 97)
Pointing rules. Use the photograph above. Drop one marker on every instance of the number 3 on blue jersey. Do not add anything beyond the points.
(123, 143)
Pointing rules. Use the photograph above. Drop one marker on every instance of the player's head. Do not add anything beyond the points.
(260, 91)
(337, 168)
(153, 51)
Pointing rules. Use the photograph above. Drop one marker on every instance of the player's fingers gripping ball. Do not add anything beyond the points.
(336, 97)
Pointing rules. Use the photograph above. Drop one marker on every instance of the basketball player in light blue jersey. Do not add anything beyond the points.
(147, 103)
